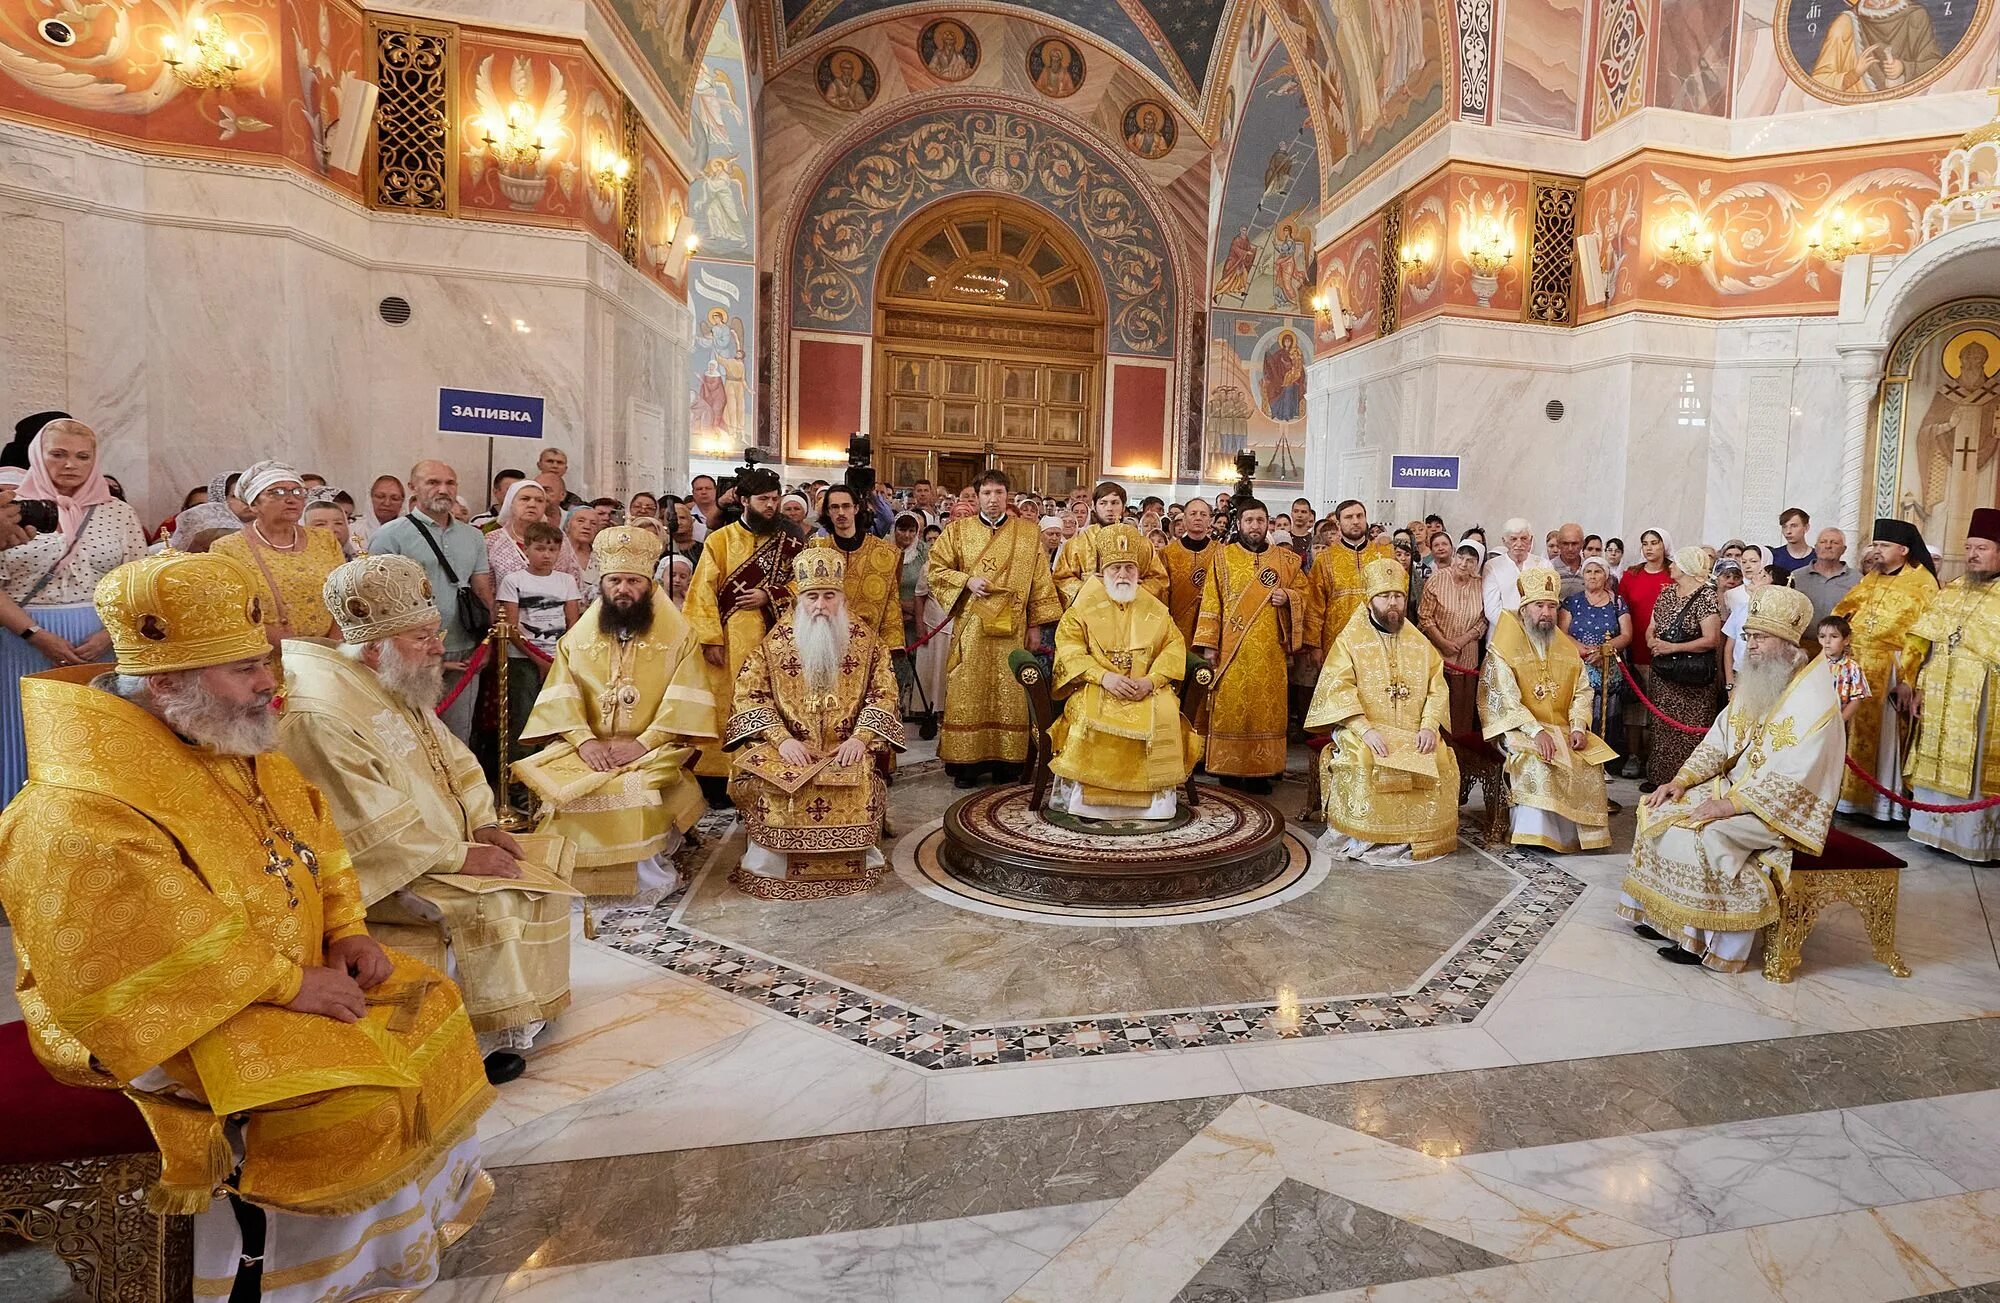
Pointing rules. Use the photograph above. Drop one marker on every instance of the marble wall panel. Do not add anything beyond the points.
(1541, 64)
(1693, 44)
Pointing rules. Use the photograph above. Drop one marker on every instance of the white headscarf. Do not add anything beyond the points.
(262, 475)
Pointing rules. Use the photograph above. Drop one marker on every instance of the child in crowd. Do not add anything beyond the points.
(539, 605)
(1849, 683)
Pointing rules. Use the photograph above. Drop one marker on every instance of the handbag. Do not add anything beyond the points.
(474, 616)
(1688, 669)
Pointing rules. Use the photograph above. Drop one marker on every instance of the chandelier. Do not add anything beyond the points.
(209, 61)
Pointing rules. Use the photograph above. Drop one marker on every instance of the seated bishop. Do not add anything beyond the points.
(815, 709)
(1535, 699)
(1391, 788)
(413, 806)
(188, 928)
(1122, 749)
(1714, 842)
(626, 698)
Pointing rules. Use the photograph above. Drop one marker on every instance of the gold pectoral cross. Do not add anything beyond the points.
(1398, 690)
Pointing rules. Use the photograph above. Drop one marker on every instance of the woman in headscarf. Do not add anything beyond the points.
(1600, 622)
(1686, 626)
(49, 581)
(1451, 612)
(197, 528)
(290, 560)
(526, 502)
(580, 526)
(1641, 585)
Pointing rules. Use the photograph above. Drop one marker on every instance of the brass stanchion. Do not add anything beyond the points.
(512, 820)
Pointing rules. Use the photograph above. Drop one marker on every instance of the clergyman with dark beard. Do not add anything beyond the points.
(1956, 642)
(413, 806)
(626, 700)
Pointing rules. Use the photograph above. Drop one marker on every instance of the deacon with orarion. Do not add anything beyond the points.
(1882, 609)
(189, 929)
(1122, 749)
(1535, 699)
(1952, 658)
(815, 706)
(1252, 614)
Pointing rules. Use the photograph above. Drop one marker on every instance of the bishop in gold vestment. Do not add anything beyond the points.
(1187, 560)
(188, 927)
(988, 571)
(1122, 749)
(1535, 696)
(1252, 610)
(740, 590)
(1079, 561)
(1391, 789)
(1882, 608)
(413, 806)
(1714, 844)
(815, 706)
(627, 694)
(1954, 655)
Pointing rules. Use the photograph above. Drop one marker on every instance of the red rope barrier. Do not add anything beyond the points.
(935, 630)
(473, 665)
(1928, 807)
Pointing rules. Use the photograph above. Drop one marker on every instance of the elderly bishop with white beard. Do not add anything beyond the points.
(1122, 749)
(815, 706)
(1535, 699)
(412, 804)
(1714, 842)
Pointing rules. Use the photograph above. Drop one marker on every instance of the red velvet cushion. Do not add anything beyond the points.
(49, 1122)
(1846, 851)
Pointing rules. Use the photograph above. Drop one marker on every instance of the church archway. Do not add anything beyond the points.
(988, 348)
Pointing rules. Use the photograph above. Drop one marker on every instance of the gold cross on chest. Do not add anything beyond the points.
(1544, 689)
(1399, 691)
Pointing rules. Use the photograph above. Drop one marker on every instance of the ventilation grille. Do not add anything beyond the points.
(1554, 410)
(395, 310)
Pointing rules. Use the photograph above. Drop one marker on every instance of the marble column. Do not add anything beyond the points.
(1860, 376)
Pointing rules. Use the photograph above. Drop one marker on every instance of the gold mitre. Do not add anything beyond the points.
(820, 569)
(1384, 575)
(1539, 584)
(1781, 612)
(181, 611)
(626, 550)
(1120, 542)
(379, 597)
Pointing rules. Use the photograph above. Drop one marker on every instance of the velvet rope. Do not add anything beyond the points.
(473, 664)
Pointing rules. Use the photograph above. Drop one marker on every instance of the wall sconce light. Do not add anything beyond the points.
(1684, 242)
(1835, 236)
(209, 61)
(1322, 307)
(1489, 246)
(516, 143)
(1415, 255)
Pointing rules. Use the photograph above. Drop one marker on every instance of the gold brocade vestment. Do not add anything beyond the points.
(1393, 684)
(1523, 692)
(163, 918)
(653, 688)
(1077, 562)
(727, 555)
(985, 711)
(1187, 574)
(1956, 644)
(407, 796)
(874, 580)
(1120, 752)
(825, 821)
(1248, 708)
(1881, 608)
(1335, 590)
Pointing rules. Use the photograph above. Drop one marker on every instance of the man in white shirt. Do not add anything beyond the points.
(701, 498)
(1503, 568)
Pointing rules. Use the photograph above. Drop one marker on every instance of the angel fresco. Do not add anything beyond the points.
(719, 121)
(719, 198)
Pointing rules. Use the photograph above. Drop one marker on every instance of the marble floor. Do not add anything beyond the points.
(1461, 1081)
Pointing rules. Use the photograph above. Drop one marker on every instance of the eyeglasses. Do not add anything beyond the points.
(294, 491)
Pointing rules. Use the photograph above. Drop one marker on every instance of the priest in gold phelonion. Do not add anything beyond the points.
(1952, 658)
(1535, 700)
(816, 708)
(1391, 785)
(189, 928)
(1122, 749)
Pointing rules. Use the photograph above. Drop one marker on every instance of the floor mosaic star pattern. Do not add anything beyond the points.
(1454, 992)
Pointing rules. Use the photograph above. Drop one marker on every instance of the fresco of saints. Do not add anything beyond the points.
(846, 80)
(1285, 379)
(1148, 133)
(1234, 282)
(720, 205)
(1878, 45)
(1289, 274)
(1957, 441)
(1060, 71)
(948, 51)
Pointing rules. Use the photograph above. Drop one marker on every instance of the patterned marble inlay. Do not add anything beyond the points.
(1452, 993)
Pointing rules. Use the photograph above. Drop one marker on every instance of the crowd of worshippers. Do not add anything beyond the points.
(261, 858)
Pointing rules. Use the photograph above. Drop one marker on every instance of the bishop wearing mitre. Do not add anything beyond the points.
(1535, 701)
(1122, 748)
(1391, 790)
(626, 697)
(815, 706)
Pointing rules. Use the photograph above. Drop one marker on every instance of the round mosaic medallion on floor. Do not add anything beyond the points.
(1229, 844)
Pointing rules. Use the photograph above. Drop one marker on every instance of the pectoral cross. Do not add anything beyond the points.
(1544, 689)
(1399, 691)
(280, 867)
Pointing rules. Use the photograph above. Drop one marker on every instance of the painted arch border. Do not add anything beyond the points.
(793, 223)
(1886, 462)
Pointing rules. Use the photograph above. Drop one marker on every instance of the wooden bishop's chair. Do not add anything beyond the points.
(1043, 712)
(1849, 869)
(75, 1162)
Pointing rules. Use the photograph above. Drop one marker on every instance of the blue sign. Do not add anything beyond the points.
(474, 411)
(1415, 472)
